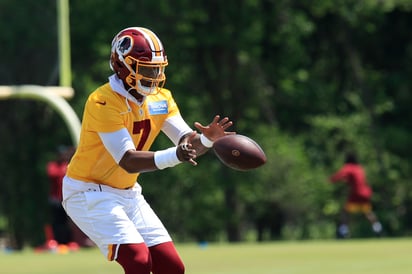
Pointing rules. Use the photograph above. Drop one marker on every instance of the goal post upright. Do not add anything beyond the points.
(63, 22)
(54, 96)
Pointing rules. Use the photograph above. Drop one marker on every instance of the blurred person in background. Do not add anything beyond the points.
(359, 196)
(61, 230)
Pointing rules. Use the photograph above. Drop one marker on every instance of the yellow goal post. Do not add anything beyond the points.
(54, 96)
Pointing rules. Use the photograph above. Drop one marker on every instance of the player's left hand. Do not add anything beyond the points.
(216, 129)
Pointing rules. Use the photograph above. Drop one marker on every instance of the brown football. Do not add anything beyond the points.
(239, 152)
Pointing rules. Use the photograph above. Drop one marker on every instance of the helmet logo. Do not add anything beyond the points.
(124, 45)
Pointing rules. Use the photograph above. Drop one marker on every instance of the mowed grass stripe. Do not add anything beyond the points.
(355, 256)
(377, 256)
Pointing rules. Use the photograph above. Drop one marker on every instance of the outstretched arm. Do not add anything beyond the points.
(209, 133)
(121, 147)
(340, 176)
(191, 145)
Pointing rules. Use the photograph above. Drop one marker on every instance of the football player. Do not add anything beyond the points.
(359, 197)
(121, 120)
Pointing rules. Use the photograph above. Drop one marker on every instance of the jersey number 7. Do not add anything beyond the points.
(143, 128)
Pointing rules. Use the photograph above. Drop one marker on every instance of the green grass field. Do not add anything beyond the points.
(377, 256)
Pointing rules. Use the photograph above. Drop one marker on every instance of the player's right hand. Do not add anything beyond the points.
(185, 151)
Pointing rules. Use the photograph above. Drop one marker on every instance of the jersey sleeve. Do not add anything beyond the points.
(340, 175)
(117, 143)
(175, 128)
(101, 114)
(52, 169)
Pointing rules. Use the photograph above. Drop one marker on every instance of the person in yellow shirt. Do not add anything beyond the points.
(120, 122)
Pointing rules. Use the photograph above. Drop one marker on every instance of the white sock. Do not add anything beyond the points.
(344, 230)
(377, 227)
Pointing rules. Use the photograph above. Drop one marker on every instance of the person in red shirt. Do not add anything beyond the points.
(60, 230)
(359, 197)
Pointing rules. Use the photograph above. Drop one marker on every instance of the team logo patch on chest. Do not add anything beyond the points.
(159, 107)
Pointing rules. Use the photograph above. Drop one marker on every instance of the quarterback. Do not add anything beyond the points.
(121, 120)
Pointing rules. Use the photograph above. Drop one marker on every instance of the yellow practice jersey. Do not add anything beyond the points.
(107, 111)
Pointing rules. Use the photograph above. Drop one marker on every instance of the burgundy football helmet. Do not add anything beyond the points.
(139, 60)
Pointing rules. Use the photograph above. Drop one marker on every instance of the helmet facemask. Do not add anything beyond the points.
(146, 77)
